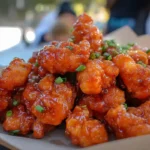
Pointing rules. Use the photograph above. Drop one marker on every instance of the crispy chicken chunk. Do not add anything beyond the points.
(65, 57)
(135, 76)
(109, 98)
(18, 121)
(5, 99)
(141, 111)
(97, 75)
(85, 30)
(15, 75)
(83, 130)
(139, 55)
(126, 124)
(54, 102)
(30, 94)
(40, 129)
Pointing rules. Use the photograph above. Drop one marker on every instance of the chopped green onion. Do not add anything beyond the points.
(94, 55)
(15, 103)
(81, 68)
(131, 44)
(59, 80)
(114, 53)
(71, 39)
(9, 113)
(104, 48)
(141, 63)
(107, 56)
(69, 47)
(111, 43)
(148, 51)
(125, 105)
(84, 106)
(71, 30)
(39, 108)
(14, 132)
(36, 64)
(97, 55)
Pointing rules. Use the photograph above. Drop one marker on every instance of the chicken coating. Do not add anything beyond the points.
(5, 99)
(15, 75)
(138, 55)
(100, 104)
(90, 80)
(40, 129)
(83, 130)
(126, 124)
(18, 121)
(97, 75)
(85, 30)
(142, 111)
(135, 76)
(54, 102)
(37, 71)
(65, 57)
(30, 94)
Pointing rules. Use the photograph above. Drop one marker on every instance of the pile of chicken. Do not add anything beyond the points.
(85, 81)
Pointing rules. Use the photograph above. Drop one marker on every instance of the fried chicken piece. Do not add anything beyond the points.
(5, 98)
(54, 102)
(90, 80)
(100, 104)
(40, 129)
(138, 55)
(15, 75)
(30, 94)
(85, 30)
(97, 75)
(37, 71)
(83, 130)
(18, 121)
(65, 57)
(142, 111)
(134, 76)
(126, 124)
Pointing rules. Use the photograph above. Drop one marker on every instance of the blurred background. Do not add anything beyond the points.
(27, 25)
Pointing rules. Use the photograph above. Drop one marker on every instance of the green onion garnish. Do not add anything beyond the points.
(14, 132)
(9, 113)
(69, 47)
(71, 30)
(36, 64)
(94, 55)
(131, 44)
(97, 55)
(148, 51)
(39, 108)
(81, 68)
(59, 80)
(107, 56)
(111, 43)
(125, 105)
(84, 106)
(15, 103)
(141, 63)
(71, 39)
